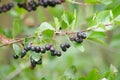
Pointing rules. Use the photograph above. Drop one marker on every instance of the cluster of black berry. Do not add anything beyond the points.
(43, 50)
(80, 36)
(51, 3)
(32, 5)
(64, 46)
(34, 63)
(7, 7)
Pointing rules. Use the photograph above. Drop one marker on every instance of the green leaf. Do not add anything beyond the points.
(63, 25)
(17, 49)
(106, 2)
(96, 34)
(111, 74)
(117, 20)
(45, 26)
(82, 78)
(92, 1)
(35, 56)
(65, 19)
(57, 23)
(97, 40)
(93, 75)
(116, 11)
(47, 34)
(19, 1)
(103, 17)
(26, 41)
(17, 27)
(73, 24)
(46, 30)
(79, 47)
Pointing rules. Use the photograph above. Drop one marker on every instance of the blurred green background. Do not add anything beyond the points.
(73, 64)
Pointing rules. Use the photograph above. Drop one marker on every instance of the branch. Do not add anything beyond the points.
(14, 41)
(62, 33)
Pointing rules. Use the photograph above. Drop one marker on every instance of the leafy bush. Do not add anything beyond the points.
(59, 40)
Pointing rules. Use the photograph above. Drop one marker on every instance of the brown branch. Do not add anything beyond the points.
(61, 33)
(14, 41)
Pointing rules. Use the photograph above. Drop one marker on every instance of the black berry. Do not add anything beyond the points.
(72, 38)
(67, 45)
(45, 3)
(28, 47)
(39, 61)
(23, 53)
(81, 35)
(15, 56)
(43, 50)
(52, 49)
(47, 47)
(64, 49)
(37, 49)
(62, 46)
(33, 63)
(78, 40)
(58, 53)
(32, 48)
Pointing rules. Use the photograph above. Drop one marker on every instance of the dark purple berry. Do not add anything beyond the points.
(26, 49)
(78, 40)
(37, 4)
(20, 5)
(10, 5)
(58, 53)
(43, 50)
(62, 46)
(81, 35)
(37, 49)
(39, 61)
(23, 53)
(67, 45)
(31, 3)
(47, 47)
(45, 3)
(51, 3)
(15, 56)
(64, 49)
(4, 8)
(33, 63)
(28, 8)
(52, 49)
(72, 38)
(29, 47)
(53, 53)
(32, 48)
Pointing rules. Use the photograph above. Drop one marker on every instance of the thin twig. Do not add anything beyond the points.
(61, 33)
(14, 41)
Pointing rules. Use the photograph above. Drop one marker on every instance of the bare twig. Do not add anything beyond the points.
(14, 41)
